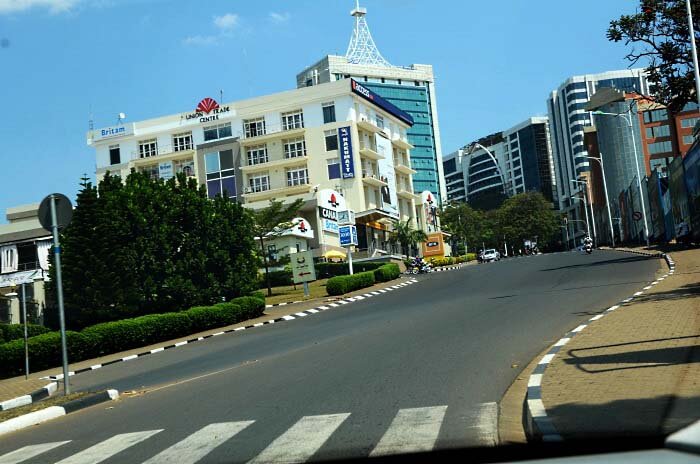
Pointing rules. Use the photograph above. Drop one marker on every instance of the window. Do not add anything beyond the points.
(294, 148)
(380, 122)
(148, 148)
(659, 147)
(292, 120)
(688, 140)
(328, 112)
(151, 171)
(254, 127)
(331, 140)
(333, 168)
(221, 178)
(184, 166)
(655, 115)
(689, 122)
(259, 183)
(182, 141)
(658, 131)
(257, 154)
(114, 155)
(217, 132)
(297, 177)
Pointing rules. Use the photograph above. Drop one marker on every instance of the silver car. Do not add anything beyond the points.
(491, 255)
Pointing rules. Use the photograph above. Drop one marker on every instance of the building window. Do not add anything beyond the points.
(257, 155)
(114, 155)
(293, 148)
(380, 121)
(182, 141)
(328, 112)
(148, 148)
(254, 127)
(659, 147)
(331, 140)
(293, 120)
(297, 177)
(655, 115)
(221, 178)
(151, 171)
(217, 132)
(259, 183)
(688, 140)
(333, 168)
(184, 166)
(658, 131)
(689, 123)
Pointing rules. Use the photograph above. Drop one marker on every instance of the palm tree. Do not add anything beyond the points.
(406, 235)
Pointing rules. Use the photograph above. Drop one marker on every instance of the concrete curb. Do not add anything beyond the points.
(288, 317)
(52, 412)
(537, 424)
(33, 397)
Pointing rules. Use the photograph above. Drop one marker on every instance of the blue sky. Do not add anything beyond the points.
(63, 60)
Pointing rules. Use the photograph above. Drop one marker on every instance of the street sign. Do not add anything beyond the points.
(64, 211)
(348, 235)
(303, 266)
(636, 215)
(346, 217)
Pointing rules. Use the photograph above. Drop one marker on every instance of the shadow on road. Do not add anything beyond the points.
(628, 259)
(685, 291)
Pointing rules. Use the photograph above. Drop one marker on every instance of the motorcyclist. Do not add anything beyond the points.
(588, 242)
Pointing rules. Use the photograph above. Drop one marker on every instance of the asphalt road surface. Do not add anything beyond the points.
(416, 369)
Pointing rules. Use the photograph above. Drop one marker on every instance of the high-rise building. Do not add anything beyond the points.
(411, 88)
(567, 119)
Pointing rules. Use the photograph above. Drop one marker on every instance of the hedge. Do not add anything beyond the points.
(9, 332)
(343, 284)
(387, 272)
(115, 336)
(277, 279)
(325, 270)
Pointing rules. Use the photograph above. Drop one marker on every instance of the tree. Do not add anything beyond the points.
(527, 216)
(272, 221)
(406, 235)
(465, 223)
(659, 35)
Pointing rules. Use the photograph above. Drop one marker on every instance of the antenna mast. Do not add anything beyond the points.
(362, 49)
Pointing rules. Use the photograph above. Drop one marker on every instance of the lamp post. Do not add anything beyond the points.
(495, 162)
(566, 229)
(607, 200)
(585, 204)
(627, 116)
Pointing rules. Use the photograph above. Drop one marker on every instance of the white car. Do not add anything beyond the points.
(491, 255)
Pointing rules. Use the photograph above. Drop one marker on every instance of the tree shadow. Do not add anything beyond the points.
(627, 259)
(685, 291)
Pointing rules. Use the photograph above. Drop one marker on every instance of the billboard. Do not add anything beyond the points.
(656, 208)
(691, 165)
(372, 97)
(679, 198)
(347, 164)
(389, 200)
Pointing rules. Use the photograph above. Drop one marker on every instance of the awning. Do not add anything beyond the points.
(19, 278)
(374, 215)
(334, 254)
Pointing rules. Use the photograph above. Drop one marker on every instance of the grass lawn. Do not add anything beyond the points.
(317, 289)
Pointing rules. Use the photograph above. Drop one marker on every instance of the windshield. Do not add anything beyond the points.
(282, 231)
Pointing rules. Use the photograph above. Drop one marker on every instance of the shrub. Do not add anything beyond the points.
(9, 332)
(326, 270)
(250, 306)
(343, 284)
(277, 279)
(387, 272)
(44, 352)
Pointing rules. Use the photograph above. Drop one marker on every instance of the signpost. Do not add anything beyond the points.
(348, 238)
(303, 270)
(55, 213)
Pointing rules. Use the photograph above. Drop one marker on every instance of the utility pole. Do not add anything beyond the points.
(693, 47)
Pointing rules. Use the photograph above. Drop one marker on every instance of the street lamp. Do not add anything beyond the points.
(627, 116)
(585, 196)
(495, 162)
(607, 200)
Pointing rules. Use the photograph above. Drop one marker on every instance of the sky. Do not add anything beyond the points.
(64, 62)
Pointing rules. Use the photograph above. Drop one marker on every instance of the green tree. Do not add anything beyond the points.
(404, 234)
(271, 222)
(659, 35)
(466, 224)
(526, 216)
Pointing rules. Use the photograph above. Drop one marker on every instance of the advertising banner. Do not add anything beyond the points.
(348, 235)
(389, 200)
(434, 246)
(691, 165)
(165, 170)
(387, 106)
(429, 207)
(655, 207)
(679, 198)
(330, 203)
(347, 164)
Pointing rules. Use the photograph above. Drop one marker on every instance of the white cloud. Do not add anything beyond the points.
(227, 22)
(201, 40)
(54, 6)
(279, 17)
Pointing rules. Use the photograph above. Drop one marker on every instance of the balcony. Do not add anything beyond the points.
(368, 125)
(403, 169)
(164, 153)
(277, 193)
(400, 143)
(372, 179)
(271, 133)
(406, 193)
(285, 162)
(370, 153)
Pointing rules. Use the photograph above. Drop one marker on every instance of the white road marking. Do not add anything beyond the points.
(323, 307)
(301, 314)
(546, 359)
(157, 350)
(535, 380)
(579, 328)
(288, 318)
(637, 293)
(412, 430)
(647, 287)
(312, 310)
(127, 358)
(301, 440)
(181, 343)
(108, 448)
(199, 444)
(562, 341)
(595, 318)
(243, 328)
(27, 452)
(485, 424)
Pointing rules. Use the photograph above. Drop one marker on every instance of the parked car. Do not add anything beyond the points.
(490, 255)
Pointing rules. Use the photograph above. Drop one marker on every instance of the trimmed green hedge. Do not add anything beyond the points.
(343, 284)
(115, 336)
(9, 332)
(277, 279)
(387, 272)
(325, 270)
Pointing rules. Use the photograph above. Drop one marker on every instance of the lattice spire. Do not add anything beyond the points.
(362, 49)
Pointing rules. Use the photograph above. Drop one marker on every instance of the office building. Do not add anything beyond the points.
(410, 88)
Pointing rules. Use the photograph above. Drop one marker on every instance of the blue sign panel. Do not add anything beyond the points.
(347, 164)
(390, 108)
(348, 235)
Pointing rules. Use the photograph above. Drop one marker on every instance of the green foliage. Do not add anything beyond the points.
(526, 216)
(465, 223)
(347, 283)
(325, 270)
(404, 234)
(9, 332)
(387, 272)
(143, 245)
(276, 278)
(658, 34)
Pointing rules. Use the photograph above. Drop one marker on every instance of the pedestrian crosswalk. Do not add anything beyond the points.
(410, 430)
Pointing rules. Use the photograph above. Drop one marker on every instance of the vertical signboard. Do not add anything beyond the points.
(348, 235)
(679, 198)
(347, 163)
(303, 266)
(691, 165)
(429, 208)
(165, 170)
(389, 200)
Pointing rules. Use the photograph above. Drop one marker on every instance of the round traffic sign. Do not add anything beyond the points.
(64, 211)
(636, 215)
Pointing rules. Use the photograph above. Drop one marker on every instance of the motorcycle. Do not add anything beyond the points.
(588, 249)
(419, 267)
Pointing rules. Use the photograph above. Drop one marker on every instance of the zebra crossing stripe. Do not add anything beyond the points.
(108, 448)
(28, 452)
(199, 444)
(302, 440)
(412, 430)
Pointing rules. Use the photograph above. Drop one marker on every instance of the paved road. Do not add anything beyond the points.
(419, 368)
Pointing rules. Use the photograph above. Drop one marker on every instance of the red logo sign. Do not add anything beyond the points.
(207, 105)
(429, 199)
(333, 201)
(302, 227)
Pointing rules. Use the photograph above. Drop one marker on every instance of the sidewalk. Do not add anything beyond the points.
(18, 386)
(635, 371)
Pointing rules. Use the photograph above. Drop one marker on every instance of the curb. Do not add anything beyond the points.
(289, 317)
(537, 424)
(33, 397)
(52, 412)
